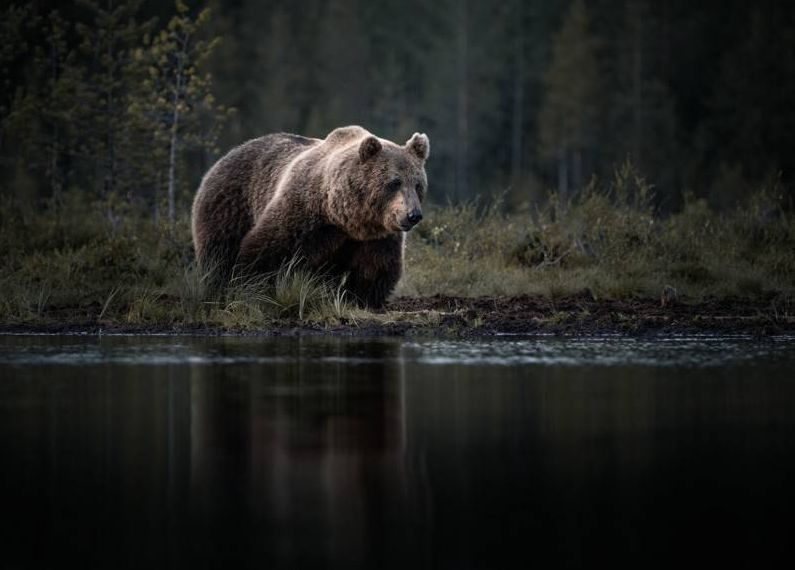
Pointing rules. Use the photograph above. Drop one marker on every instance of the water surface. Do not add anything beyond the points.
(126, 452)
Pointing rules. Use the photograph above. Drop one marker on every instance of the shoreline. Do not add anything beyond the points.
(446, 316)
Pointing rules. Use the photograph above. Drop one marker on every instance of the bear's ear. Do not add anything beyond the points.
(419, 145)
(368, 148)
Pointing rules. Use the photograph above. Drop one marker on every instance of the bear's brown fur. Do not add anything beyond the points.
(341, 204)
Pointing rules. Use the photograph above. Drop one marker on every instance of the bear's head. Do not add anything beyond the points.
(379, 186)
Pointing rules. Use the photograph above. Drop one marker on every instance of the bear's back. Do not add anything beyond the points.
(241, 183)
(273, 152)
(268, 157)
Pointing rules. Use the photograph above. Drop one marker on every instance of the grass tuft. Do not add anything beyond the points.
(72, 263)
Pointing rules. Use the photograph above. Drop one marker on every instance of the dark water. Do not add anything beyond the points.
(298, 453)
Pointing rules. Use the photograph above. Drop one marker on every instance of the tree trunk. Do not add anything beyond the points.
(461, 189)
(172, 151)
(110, 159)
(109, 182)
(156, 210)
(518, 100)
(172, 161)
(55, 178)
(577, 169)
(563, 176)
(637, 81)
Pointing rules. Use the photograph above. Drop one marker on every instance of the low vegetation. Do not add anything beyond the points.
(83, 263)
(610, 242)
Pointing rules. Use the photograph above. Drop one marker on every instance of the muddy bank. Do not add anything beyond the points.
(584, 315)
(483, 316)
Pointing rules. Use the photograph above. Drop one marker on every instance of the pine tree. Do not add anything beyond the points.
(40, 120)
(462, 99)
(108, 43)
(16, 25)
(744, 100)
(14, 21)
(176, 99)
(517, 104)
(60, 98)
(641, 123)
(568, 117)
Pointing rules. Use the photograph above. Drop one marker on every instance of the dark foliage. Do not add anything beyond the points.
(517, 97)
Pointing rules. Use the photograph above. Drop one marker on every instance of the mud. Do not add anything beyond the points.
(584, 315)
(580, 315)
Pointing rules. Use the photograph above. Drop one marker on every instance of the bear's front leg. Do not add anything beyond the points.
(374, 269)
(268, 245)
(279, 236)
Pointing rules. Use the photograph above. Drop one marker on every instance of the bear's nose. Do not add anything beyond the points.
(414, 217)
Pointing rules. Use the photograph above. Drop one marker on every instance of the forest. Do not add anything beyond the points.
(550, 123)
(132, 100)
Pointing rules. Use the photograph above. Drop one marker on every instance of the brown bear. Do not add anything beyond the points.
(341, 204)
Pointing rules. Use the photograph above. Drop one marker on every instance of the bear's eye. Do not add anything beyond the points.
(393, 185)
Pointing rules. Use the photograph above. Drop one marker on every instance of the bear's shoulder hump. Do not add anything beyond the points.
(343, 135)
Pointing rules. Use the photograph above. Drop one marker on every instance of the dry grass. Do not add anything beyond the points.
(608, 241)
(74, 263)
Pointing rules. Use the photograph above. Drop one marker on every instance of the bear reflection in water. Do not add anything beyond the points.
(314, 454)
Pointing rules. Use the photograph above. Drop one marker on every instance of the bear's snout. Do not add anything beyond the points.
(412, 219)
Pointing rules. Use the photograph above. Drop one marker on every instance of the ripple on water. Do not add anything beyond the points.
(690, 351)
